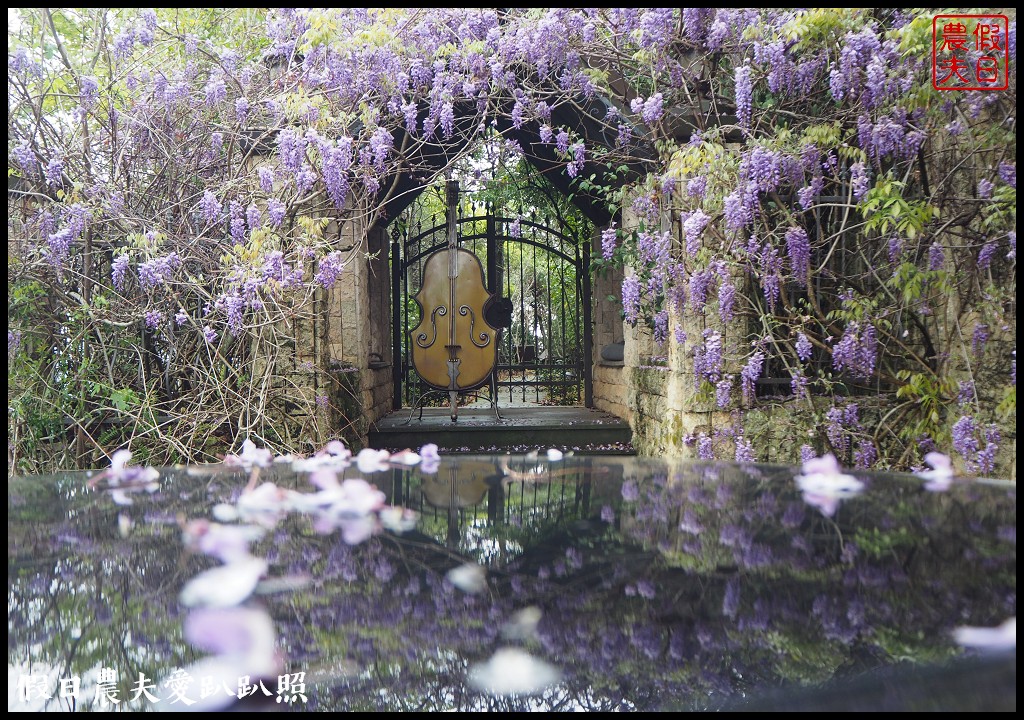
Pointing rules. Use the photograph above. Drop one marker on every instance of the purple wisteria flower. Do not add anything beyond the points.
(803, 347)
(331, 266)
(276, 211)
(562, 141)
(216, 90)
(157, 271)
(119, 271)
(986, 458)
(88, 90)
(966, 393)
(737, 212)
(771, 275)
(631, 299)
(749, 375)
(650, 109)
(210, 207)
(630, 491)
(745, 451)
(24, 156)
(763, 169)
(661, 327)
(799, 249)
(807, 194)
(723, 391)
(985, 255)
(668, 185)
(744, 96)
(1008, 172)
(608, 242)
(726, 299)
(697, 187)
(865, 455)
(857, 351)
(707, 358)
(13, 343)
(979, 338)
(237, 222)
(705, 447)
(252, 217)
(579, 159)
(266, 176)
(798, 384)
(838, 419)
(693, 228)
(859, 181)
(54, 172)
(965, 439)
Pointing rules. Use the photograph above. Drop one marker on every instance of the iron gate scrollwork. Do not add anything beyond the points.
(539, 276)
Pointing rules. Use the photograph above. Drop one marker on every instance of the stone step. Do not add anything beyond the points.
(520, 429)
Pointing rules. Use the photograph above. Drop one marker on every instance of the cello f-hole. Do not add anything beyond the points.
(485, 339)
(439, 310)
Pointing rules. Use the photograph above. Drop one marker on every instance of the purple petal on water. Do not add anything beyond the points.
(232, 631)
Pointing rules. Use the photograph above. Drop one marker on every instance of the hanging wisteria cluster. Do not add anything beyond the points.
(812, 207)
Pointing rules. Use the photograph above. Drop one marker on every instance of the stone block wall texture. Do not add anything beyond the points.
(357, 321)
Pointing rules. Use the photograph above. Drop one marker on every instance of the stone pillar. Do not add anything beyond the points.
(609, 376)
(358, 335)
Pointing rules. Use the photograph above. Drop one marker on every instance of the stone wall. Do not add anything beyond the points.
(610, 378)
(357, 319)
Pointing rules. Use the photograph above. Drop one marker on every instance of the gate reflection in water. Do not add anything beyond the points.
(647, 585)
(540, 270)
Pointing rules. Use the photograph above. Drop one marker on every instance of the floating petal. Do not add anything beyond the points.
(224, 586)
(512, 671)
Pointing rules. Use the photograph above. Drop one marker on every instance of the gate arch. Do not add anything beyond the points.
(544, 353)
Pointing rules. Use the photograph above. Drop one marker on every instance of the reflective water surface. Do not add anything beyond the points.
(594, 583)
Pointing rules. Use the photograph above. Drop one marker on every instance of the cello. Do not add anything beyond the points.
(454, 347)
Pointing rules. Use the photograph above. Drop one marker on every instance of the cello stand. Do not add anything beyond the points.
(493, 398)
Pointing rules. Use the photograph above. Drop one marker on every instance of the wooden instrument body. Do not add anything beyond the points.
(454, 348)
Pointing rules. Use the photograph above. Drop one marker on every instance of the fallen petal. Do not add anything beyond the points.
(247, 632)
(470, 578)
(398, 519)
(1003, 637)
(512, 671)
(224, 586)
(405, 457)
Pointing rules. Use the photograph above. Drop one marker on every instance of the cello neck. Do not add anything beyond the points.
(453, 242)
(452, 193)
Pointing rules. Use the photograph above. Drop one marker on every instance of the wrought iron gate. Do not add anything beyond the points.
(544, 352)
